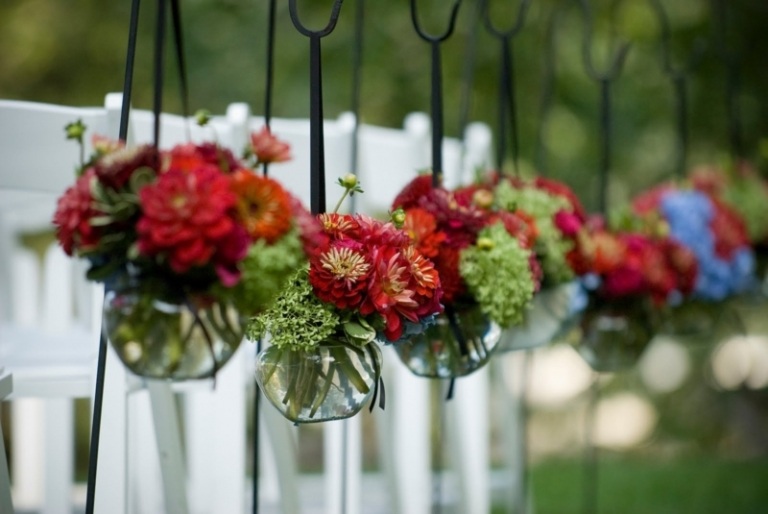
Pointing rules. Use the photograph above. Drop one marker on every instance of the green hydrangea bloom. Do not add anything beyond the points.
(748, 198)
(266, 269)
(551, 247)
(297, 319)
(498, 274)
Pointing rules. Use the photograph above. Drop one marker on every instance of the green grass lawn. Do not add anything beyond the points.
(634, 486)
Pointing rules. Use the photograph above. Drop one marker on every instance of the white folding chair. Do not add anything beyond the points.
(49, 330)
(6, 503)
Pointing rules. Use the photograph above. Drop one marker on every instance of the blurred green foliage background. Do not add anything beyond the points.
(74, 52)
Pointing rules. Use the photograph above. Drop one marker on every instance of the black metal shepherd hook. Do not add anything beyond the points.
(604, 79)
(678, 75)
(547, 86)
(437, 85)
(316, 139)
(507, 104)
(733, 82)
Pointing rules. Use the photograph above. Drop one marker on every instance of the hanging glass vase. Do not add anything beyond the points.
(460, 342)
(171, 339)
(554, 312)
(331, 381)
(614, 334)
(699, 322)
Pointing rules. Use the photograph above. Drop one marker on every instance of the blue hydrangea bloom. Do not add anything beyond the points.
(688, 214)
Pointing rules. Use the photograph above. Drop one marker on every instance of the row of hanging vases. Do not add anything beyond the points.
(191, 243)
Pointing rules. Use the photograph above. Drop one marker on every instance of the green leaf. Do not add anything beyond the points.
(357, 333)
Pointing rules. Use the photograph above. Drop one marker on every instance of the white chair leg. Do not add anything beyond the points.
(169, 449)
(28, 439)
(283, 454)
(6, 502)
(338, 435)
(215, 434)
(112, 479)
(468, 431)
(384, 420)
(59, 455)
(145, 493)
(411, 440)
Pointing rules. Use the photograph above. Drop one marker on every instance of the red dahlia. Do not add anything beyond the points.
(73, 215)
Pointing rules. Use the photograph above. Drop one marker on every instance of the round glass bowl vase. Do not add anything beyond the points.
(615, 334)
(555, 311)
(174, 341)
(460, 342)
(330, 381)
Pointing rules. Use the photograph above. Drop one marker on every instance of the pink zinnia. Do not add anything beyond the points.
(267, 148)
(73, 215)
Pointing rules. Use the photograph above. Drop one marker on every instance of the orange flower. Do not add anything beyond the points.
(263, 206)
(267, 148)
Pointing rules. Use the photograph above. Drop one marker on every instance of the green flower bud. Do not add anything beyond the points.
(202, 117)
(398, 217)
(75, 130)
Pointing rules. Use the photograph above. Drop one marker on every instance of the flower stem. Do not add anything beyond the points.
(341, 200)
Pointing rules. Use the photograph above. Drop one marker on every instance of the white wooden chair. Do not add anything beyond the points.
(6, 503)
(49, 330)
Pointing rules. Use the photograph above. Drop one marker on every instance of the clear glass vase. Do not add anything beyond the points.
(331, 381)
(460, 342)
(163, 339)
(615, 334)
(554, 312)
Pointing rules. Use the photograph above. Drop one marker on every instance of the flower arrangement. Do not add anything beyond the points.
(365, 282)
(713, 232)
(185, 237)
(469, 245)
(744, 191)
(485, 262)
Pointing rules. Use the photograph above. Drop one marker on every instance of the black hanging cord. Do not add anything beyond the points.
(678, 75)
(178, 37)
(437, 86)
(468, 72)
(506, 94)
(591, 482)
(269, 80)
(129, 60)
(547, 88)
(732, 79)
(316, 140)
(357, 80)
(159, 58)
(101, 363)
(604, 79)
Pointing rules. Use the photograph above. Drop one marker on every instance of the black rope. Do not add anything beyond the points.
(506, 94)
(157, 105)
(436, 102)
(604, 78)
(547, 88)
(178, 37)
(269, 79)
(678, 77)
(316, 140)
(129, 60)
(101, 362)
(270, 74)
(732, 79)
(98, 402)
(468, 71)
(591, 478)
(357, 80)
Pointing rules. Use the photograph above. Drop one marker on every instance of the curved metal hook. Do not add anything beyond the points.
(699, 48)
(613, 70)
(428, 37)
(510, 32)
(336, 9)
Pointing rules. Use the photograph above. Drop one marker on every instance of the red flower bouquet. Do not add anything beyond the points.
(181, 239)
(366, 282)
(486, 267)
